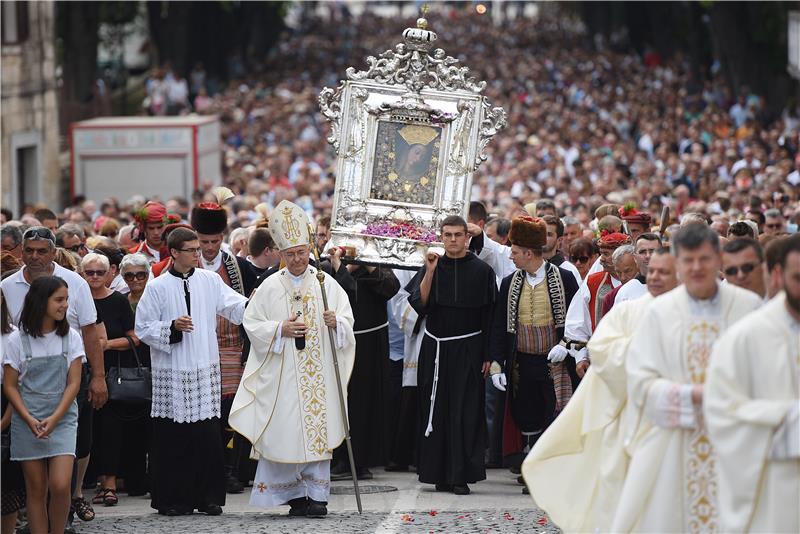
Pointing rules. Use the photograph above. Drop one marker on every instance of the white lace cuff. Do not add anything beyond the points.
(670, 405)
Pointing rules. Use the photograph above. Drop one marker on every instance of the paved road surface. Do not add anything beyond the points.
(496, 505)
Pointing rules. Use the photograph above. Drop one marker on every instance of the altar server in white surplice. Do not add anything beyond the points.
(751, 407)
(287, 404)
(672, 483)
(582, 454)
(177, 318)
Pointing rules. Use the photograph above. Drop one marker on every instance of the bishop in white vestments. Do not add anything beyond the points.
(177, 318)
(287, 404)
(751, 406)
(671, 483)
(581, 455)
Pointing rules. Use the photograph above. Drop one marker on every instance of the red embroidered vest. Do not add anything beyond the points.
(599, 286)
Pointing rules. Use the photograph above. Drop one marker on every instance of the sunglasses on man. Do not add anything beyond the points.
(77, 248)
(746, 269)
(38, 233)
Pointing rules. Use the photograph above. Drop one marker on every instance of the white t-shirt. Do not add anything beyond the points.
(81, 311)
(3, 345)
(47, 345)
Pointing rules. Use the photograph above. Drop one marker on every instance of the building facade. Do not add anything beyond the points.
(30, 135)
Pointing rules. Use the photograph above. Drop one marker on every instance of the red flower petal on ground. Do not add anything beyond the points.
(433, 513)
(542, 521)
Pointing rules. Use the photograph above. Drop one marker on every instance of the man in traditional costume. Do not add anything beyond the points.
(528, 323)
(636, 221)
(176, 317)
(151, 219)
(646, 245)
(209, 220)
(752, 410)
(455, 293)
(582, 454)
(366, 398)
(608, 224)
(585, 311)
(287, 404)
(626, 270)
(671, 484)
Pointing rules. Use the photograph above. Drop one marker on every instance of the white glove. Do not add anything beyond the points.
(499, 381)
(557, 354)
(581, 355)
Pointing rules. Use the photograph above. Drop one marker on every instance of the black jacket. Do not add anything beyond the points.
(503, 344)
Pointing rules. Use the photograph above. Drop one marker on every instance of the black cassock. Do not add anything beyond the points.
(462, 296)
(366, 404)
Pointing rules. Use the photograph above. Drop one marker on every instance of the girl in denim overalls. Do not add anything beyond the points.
(42, 364)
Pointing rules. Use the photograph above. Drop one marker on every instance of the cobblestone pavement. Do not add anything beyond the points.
(495, 506)
(477, 521)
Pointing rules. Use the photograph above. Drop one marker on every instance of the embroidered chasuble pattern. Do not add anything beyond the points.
(308, 366)
(701, 478)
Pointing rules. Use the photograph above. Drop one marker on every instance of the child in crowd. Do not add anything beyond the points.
(42, 371)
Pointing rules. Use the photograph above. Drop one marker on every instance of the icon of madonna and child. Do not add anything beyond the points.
(406, 160)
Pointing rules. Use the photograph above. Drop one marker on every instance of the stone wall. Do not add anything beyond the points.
(29, 111)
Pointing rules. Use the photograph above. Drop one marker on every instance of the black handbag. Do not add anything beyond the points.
(130, 384)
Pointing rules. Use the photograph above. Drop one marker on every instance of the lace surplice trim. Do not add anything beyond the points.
(187, 396)
(164, 333)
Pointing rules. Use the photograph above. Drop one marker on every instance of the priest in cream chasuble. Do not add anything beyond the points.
(287, 404)
(582, 454)
(672, 480)
(751, 407)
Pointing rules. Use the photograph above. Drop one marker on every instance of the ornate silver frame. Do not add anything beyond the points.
(406, 85)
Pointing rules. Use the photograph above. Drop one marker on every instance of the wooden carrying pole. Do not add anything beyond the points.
(664, 221)
(340, 388)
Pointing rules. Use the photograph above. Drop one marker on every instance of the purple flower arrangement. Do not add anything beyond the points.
(401, 229)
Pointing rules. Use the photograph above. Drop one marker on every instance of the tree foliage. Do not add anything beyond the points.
(181, 33)
(748, 38)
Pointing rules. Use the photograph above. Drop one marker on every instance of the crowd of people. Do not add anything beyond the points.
(566, 238)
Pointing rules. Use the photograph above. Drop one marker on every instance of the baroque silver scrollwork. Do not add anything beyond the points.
(494, 119)
(330, 105)
(418, 70)
(408, 96)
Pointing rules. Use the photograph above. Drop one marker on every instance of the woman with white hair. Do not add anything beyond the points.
(135, 271)
(117, 422)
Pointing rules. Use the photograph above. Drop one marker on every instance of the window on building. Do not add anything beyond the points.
(14, 27)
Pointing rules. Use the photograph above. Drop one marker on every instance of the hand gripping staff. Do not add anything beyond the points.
(321, 279)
